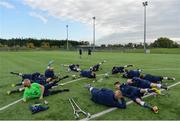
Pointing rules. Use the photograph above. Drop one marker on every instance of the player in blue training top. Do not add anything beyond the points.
(88, 74)
(131, 73)
(107, 97)
(97, 66)
(155, 79)
(73, 67)
(49, 73)
(141, 83)
(119, 69)
(135, 94)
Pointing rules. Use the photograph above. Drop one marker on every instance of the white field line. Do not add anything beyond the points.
(15, 102)
(162, 69)
(112, 109)
(77, 80)
(10, 104)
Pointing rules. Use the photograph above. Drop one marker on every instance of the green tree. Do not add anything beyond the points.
(164, 42)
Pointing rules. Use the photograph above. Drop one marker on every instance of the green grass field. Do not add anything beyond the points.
(28, 62)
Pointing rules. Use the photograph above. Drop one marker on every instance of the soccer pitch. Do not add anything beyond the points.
(60, 108)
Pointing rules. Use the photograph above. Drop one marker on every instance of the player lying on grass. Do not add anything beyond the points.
(73, 67)
(37, 77)
(49, 73)
(88, 74)
(141, 83)
(97, 66)
(135, 94)
(155, 79)
(107, 97)
(40, 80)
(35, 90)
(119, 69)
(34, 77)
(85, 73)
(131, 73)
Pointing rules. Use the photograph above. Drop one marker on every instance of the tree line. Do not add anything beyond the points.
(161, 42)
(33, 43)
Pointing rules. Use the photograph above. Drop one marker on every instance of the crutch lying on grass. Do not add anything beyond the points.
(77, 110)
(50, 63)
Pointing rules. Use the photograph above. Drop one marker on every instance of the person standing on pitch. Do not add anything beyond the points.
(80, 53)
(89, 51)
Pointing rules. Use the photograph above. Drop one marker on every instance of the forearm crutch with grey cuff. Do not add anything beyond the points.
(77, 110)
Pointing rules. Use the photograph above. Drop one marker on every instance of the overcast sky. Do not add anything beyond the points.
(117, 21)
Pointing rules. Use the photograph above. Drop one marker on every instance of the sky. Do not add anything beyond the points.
(117, 21)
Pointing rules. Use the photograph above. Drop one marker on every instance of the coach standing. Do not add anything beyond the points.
(80, 52)
(89, 51)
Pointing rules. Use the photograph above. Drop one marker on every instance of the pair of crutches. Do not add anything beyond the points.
(77, 110)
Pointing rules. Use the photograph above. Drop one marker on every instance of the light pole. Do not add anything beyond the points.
(94, 32)
(67, 31)
(145, 4)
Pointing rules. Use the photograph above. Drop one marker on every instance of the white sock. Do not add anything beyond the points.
(146, 90)
(91, 88)
(142, 103)
(125, 66)
(165, 78)
(159, 85)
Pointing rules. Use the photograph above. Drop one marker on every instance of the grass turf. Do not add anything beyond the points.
(28, 62)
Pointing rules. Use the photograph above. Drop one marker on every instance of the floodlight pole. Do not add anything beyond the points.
(67, 31)
(145, 4)
(94, 31)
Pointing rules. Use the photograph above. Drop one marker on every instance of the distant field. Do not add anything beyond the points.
(28, 62)
(152, 51)
(164, 51)
(119, 50)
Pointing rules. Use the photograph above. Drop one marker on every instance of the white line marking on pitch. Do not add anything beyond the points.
(10, 104)
(112, 109)
(77, 80)
(15, 102)
(162, 69)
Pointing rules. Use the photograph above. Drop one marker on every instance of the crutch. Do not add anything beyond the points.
(50, 63)
(77, 110)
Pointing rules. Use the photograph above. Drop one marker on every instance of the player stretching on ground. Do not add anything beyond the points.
(97, 66)
(73, 67)
(36, 90)
(141, 83)
(107, 97)
(135, 94)
(155, 79)
(131, 73)
(119, 69)
(88, 74)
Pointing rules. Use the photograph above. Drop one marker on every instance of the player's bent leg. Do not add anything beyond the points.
(147, 90)
(129, 65)
(145, 105)
(160, 86)
(157, 91)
